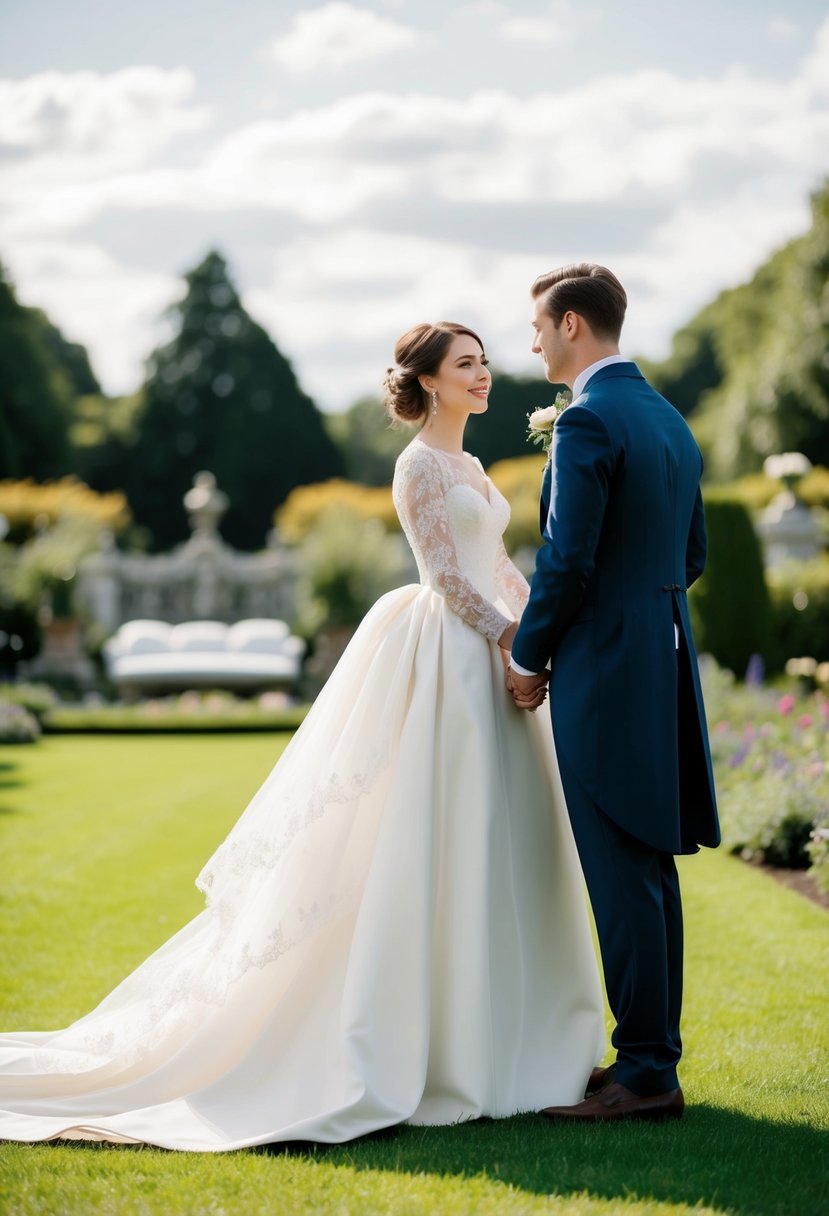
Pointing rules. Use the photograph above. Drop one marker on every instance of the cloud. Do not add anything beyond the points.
(336, 35)
(781, 29)
(117, 118)
(380, 208)
(556, 27)
(70, 140)
(338, 301)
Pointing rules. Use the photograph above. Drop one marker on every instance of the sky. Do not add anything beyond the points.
(367, 165)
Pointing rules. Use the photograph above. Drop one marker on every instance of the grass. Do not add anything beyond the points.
(100, 840)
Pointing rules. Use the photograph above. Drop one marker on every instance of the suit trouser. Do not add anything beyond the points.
(634, 893)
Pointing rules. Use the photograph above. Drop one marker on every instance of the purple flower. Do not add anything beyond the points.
(756, 670)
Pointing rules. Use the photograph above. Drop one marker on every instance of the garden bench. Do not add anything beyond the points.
(145, 656)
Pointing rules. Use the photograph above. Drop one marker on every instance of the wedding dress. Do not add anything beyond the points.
(395, 929)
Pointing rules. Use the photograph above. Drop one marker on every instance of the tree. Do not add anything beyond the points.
(750, 370)
(729, 604)
(368, 441)
(693, 366)
(35, 394)
(221, 397)
(72, 357)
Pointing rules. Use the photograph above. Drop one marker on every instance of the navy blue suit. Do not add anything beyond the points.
(623, 538)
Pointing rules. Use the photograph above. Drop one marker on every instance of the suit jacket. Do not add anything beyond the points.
(623, 539)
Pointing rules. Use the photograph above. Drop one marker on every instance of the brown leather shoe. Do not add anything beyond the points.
(616, 1102)
(599, 1079)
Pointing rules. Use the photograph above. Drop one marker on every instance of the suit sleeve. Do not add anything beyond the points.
(697, 543)
(582, 466)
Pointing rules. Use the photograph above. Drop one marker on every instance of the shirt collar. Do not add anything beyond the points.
(582, 378)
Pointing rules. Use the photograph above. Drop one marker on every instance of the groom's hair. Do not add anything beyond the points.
(592, 291)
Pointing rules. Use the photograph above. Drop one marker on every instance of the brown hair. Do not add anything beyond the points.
(419, 352)
(592, 291)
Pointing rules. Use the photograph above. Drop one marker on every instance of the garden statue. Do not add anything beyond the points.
(787, 527)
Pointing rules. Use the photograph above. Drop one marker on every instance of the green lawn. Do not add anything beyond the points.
(100, 840)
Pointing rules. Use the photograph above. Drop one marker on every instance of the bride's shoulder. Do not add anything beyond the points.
(415, 456)
(418, 468)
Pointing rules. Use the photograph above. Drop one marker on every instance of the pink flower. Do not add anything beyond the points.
(786, 704)
(805, 721)
(722, 728)
(824, 709)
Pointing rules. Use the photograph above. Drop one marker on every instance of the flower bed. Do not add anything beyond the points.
(770, 760)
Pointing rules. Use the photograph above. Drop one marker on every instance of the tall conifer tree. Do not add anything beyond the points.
(221, 397)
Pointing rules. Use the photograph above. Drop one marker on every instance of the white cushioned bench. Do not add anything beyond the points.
(152, 655)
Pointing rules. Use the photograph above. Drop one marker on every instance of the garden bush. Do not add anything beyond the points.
(29, 506)
(37, 699)
(346, 564)
(17, 725)
(729, 605)
(305, 507)
(756, 491)
(799, 611)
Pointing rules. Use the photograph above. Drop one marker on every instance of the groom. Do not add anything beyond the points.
(623, 539)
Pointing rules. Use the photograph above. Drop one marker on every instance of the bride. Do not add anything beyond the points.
(395, 929)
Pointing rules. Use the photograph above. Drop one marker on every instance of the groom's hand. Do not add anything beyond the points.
(528, 692)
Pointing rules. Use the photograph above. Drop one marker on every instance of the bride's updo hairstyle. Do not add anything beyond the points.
(419, 352)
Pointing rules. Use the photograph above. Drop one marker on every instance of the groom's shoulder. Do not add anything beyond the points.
(616, 378)
(616, 386)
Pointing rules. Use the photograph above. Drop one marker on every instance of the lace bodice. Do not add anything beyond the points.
(456, 536)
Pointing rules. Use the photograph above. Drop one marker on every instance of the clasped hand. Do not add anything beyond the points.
(528, 692)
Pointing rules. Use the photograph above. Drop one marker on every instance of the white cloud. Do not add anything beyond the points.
(70, 139)
(338, 299)
(554, 27)
(781, 29)
(336, 35)
(624, 136)
(119, 118)
(358, 289)
(722, 166)
(700, 250)
(815, 70)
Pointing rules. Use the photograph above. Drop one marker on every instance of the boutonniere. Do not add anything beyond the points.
(541, 422)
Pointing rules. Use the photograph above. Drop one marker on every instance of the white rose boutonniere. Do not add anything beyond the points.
(541, 422)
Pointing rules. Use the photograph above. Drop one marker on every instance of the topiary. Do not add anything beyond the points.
(800, 611)
(730, 603)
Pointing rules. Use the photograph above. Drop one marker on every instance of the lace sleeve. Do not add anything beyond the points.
(513, 588)
(419, 498)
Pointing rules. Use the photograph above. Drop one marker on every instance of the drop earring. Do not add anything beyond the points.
(434, 403)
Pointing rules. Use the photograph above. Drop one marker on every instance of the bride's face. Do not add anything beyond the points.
(462, 381)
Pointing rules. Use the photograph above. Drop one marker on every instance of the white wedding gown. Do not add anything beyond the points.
(395, 930)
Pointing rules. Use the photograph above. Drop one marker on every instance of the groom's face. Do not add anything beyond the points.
(548, 342)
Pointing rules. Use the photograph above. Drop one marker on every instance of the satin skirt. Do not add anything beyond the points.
(395, 930)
